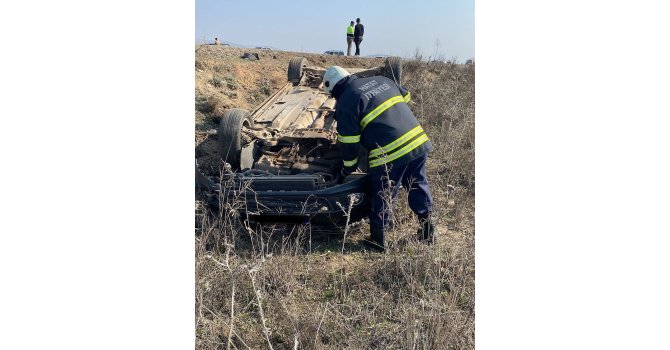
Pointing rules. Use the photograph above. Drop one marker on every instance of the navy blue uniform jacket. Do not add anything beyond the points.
(373, 113)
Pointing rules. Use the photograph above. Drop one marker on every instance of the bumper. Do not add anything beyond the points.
(319, 207)
(322, 207)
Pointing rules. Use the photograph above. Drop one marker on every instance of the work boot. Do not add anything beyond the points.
(426, 233)
(376, 240)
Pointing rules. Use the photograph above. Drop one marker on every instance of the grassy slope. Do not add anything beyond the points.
(300, 287)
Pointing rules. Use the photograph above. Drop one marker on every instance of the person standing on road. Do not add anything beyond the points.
(350, 37)
(358, 35)
(373, 112)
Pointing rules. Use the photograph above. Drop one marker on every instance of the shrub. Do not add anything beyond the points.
(204, 104)
(266, 89)
(232, 84)
(216, 81)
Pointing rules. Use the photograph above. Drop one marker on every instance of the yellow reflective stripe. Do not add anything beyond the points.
(395, 144)
(348, 163)
(408, 97)
(380, 109)
(349, 139)
(401, 152)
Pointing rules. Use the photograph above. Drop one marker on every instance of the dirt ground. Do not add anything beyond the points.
(328, 292)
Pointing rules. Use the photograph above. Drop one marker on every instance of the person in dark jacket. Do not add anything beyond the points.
(358, 36)
(373, 113)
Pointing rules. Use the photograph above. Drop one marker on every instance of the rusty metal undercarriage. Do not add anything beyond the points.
(309, 151)
(293, 132)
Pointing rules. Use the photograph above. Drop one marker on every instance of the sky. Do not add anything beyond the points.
(435, 28)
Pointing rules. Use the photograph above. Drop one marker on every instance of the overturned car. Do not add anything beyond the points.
(283, 158)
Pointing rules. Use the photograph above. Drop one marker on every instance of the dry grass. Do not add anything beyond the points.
(291, 288)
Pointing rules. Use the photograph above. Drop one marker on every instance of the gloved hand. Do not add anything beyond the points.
(342, 175)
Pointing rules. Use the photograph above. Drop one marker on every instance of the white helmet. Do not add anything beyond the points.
(333, 76)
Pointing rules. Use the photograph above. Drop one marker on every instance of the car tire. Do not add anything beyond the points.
(393, 69)
(295, 66)
(229, 135)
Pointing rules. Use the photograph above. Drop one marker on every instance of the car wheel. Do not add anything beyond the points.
(230, 135)
(295, 66)
(393, 69)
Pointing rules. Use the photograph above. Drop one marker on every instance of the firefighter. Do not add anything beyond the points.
(373, 113)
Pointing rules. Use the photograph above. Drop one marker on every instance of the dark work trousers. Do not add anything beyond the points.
(412, 176)
(357, 41)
